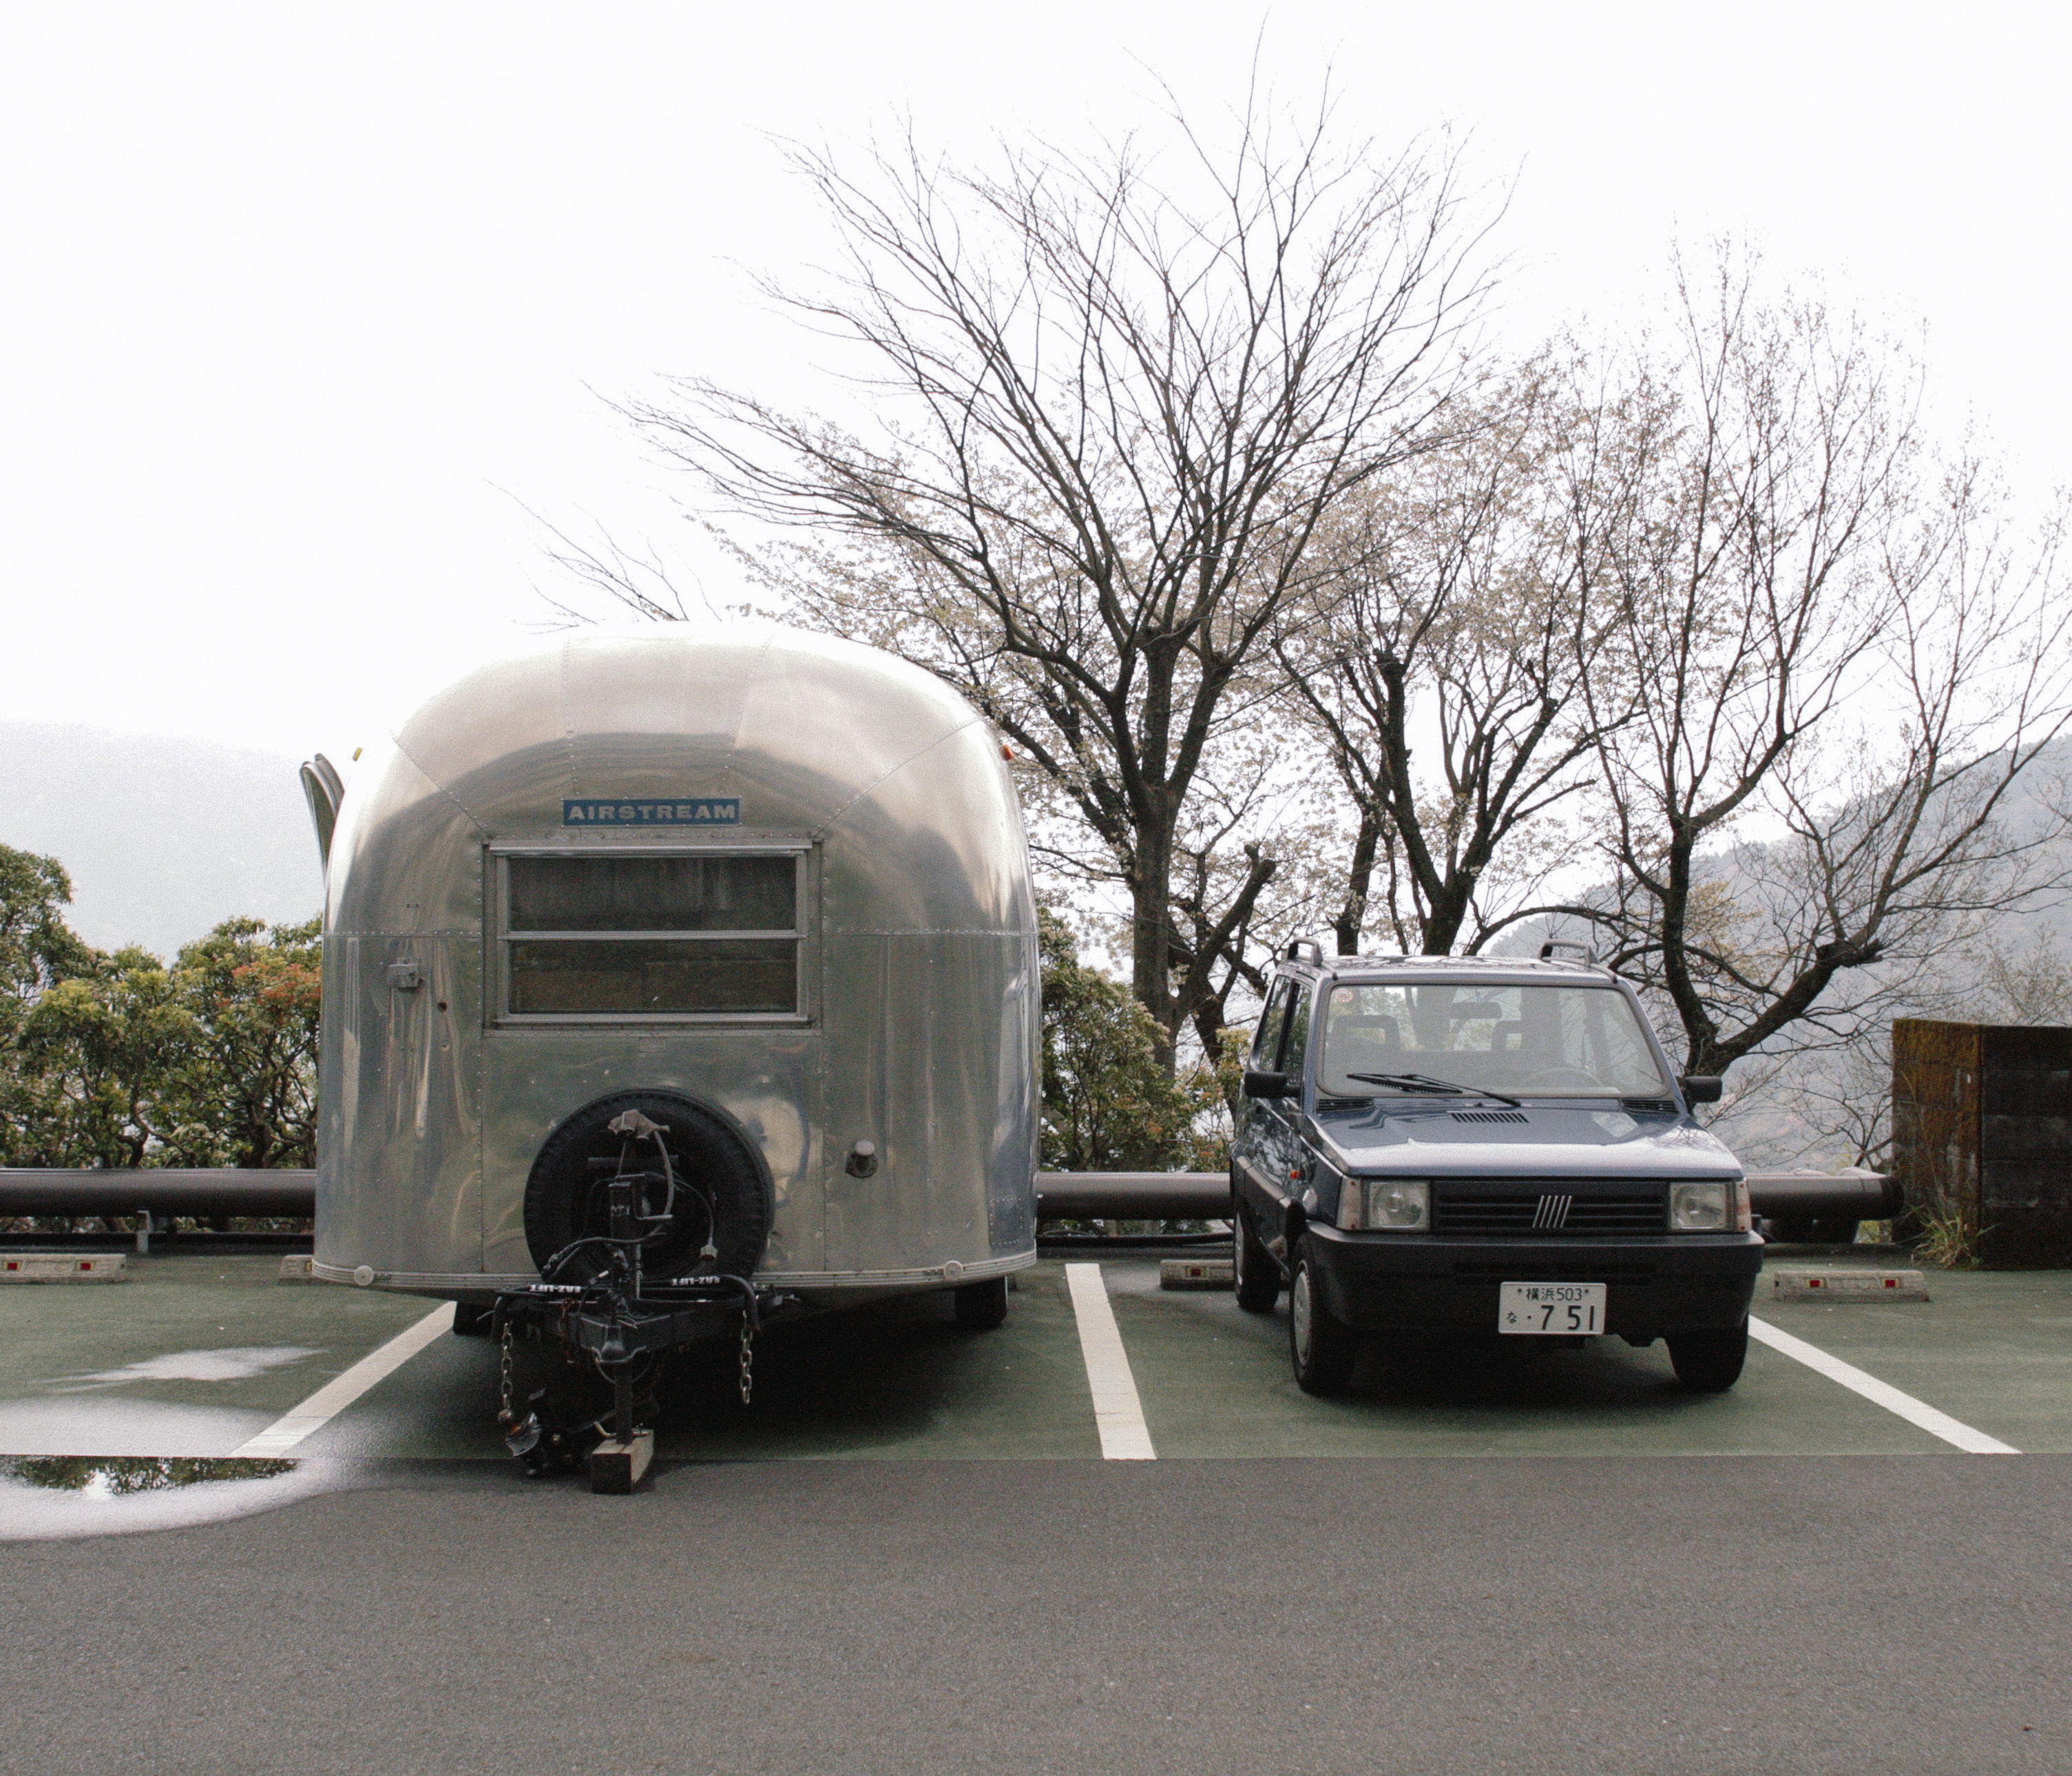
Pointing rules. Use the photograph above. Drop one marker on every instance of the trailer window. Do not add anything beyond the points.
(652, 936)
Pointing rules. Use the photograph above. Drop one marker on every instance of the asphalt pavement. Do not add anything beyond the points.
(1455, 1615)
(907, 1554)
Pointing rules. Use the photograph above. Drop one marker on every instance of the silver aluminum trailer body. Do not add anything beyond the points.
(883, 993)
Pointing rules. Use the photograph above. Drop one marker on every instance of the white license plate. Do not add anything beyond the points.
(1551, 1309)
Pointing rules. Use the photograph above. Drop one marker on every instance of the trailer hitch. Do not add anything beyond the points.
(621, 1320)
(602, 1327)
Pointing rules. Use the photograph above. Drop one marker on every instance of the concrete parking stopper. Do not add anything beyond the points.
(1848, 1285)
(64, 1267)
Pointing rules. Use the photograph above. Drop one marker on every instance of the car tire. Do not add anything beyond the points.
(1254, 1276)
(982, 1306)
(1708, 1363)
(1322, 1349)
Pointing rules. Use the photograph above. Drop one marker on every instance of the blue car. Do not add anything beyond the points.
(1448, 1146)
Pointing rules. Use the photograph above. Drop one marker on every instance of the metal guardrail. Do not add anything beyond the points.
(228, 1190)
(206, 1192)
(1845, 1196)
(1175, 1196)
(1060, 1196)
(1132, 1196)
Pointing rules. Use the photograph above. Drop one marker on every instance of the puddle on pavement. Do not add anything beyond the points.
(46, 1497)
(239, 1363)
(118, 1476)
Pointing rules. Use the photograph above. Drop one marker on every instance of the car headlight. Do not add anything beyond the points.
(1386, 1205)
(1700, 1208)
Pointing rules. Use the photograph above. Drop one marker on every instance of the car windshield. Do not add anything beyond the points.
(1560, 1041)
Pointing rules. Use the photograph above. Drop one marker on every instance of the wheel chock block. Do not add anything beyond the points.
(1848, 1285)
(617, 1465)
(1196, 1273)
(64, 1267)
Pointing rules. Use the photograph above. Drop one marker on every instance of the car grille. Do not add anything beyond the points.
(1553, 1208)
(1553, 1270)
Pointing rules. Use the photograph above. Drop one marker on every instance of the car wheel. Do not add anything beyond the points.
(1708, 1363)
(1256, 1277)
(1322, 1348)
(982, 1306)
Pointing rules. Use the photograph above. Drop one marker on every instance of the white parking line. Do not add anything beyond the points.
(1881, 1393)
(1118, 1413)
(329, 1400)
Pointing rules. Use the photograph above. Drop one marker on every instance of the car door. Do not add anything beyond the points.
(1285, 1141)
(1262, 1144)
(1250, 1160)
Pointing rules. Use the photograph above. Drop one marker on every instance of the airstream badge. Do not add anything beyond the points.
(699, 810)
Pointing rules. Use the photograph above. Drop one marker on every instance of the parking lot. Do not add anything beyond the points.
(908, 1553)
(197, 1354)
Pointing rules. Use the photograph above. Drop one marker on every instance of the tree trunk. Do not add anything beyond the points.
(1151, 937)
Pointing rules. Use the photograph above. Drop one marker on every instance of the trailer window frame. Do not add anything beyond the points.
(501, 935)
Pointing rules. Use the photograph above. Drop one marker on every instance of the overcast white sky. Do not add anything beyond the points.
(291, 293)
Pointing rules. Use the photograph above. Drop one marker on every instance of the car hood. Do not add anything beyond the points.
(1555, 1140)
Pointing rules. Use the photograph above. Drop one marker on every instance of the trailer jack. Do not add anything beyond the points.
(617, 1326)
(596, 1331)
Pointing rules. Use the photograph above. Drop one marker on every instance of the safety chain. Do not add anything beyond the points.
(505, 1394)
(747, 1360)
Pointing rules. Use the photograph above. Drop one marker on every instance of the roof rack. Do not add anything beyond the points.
(1296, 945)
(1526, 963)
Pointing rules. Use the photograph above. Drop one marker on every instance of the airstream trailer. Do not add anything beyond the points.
(674, 979)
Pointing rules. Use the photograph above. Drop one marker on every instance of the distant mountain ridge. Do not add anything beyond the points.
(164, 837)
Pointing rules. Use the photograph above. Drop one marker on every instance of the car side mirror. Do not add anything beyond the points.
(1267, 1085)
(1700, 1088)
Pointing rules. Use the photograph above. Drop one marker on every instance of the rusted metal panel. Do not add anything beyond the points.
(1981, 1124)
(1935, 1116)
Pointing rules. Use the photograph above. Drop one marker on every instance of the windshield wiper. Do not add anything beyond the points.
(1423, 1082)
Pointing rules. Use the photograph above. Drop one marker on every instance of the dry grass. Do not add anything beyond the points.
(1941, 1240)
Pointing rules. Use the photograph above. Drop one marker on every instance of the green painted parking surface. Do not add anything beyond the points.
(1990, 1348)
(199, 1352)
(1215, 1381)
(898, 1381)
(901, 1381)
(191, 1350)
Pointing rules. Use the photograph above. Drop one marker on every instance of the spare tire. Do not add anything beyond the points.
(723, 1193)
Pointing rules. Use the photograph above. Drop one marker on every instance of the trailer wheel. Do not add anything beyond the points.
(722, 1195)
(982, 1306)
(1254, 1274)
(1708, 1363)
(1323, 1348)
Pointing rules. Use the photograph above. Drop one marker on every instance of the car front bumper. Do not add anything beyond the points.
(1655, 1285)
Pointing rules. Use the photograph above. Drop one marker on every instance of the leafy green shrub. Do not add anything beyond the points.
(120, 1060)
